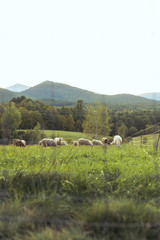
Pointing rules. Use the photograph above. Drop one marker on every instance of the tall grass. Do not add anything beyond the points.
(79, 192)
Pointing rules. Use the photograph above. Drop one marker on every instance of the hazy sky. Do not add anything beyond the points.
(105, 46)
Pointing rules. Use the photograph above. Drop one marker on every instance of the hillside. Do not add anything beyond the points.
(61, 94)
(6, 95)
(59, 91)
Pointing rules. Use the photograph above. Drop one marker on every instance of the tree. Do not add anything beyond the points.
(79, 115)
(11, 119)
(122, 131)
(50, 117)
(30, 118)
(69, 123)
(97, 120)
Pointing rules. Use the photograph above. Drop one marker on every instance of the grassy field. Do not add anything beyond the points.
(82, 192)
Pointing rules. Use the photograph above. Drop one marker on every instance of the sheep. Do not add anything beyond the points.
(96, 142)
(105, 140)
(18, 142)
(83, 141)
(75, 143)
(47, 142)
(117, 140)
(24, 142)
(40, 143)
(63, 143)
(58, 140)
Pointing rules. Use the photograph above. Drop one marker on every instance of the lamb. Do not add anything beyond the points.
(18, 142)
(83, 141)
(117, 140)
(105, 140)
(47, 142)
(75, 143)
(58, 140)
(96, 142)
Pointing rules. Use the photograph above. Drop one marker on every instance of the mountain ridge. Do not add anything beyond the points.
(54, 92)
(151, 95)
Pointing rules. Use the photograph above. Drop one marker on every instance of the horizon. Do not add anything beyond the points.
(19, 84)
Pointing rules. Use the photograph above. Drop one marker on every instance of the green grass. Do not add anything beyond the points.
(147, 140)
(82, 192)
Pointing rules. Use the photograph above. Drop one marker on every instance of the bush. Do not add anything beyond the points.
(30, 136)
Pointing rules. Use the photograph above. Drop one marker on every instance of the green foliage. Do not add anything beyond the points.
(30, 136)
(97, 120)
(122, 131)
(30, 119)
(11, 119)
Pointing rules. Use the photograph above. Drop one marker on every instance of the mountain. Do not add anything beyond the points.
(59, 91)
(6, 95)
(18, 87)
(60, 94)
(56, 92)
(152, 95)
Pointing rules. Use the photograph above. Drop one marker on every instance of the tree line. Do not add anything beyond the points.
(25, 113)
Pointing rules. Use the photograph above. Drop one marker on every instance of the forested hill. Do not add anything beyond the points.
(6, 95)
(62, 94)
(59, 92)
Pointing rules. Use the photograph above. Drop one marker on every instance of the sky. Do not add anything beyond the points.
(105, 46)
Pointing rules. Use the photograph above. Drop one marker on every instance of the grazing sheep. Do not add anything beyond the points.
(24, 142)
(18, 142)
(105, 140)
(63, 143)
(47, 142)
(75, 143)
(96, 142)
(58, 140)
(117, 140)
(83, 141)
(40, 143)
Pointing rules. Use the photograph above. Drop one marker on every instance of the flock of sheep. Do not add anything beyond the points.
(58, 141)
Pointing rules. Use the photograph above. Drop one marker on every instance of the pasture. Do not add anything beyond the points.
(81, 192)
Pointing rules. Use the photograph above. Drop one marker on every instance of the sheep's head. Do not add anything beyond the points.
(105, 141)
(60, 139)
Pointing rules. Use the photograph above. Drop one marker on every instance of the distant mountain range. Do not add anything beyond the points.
(153, 95)
(18, 88)
(62, 94)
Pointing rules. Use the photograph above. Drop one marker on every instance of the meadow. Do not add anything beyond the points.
(82, 193)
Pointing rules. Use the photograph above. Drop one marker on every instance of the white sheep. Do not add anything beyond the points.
(63, 143)
(47, 142)
(75, 143)
(83, 141)
(96, 142)
(58, 140)
(117, 140)
(24, 142)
